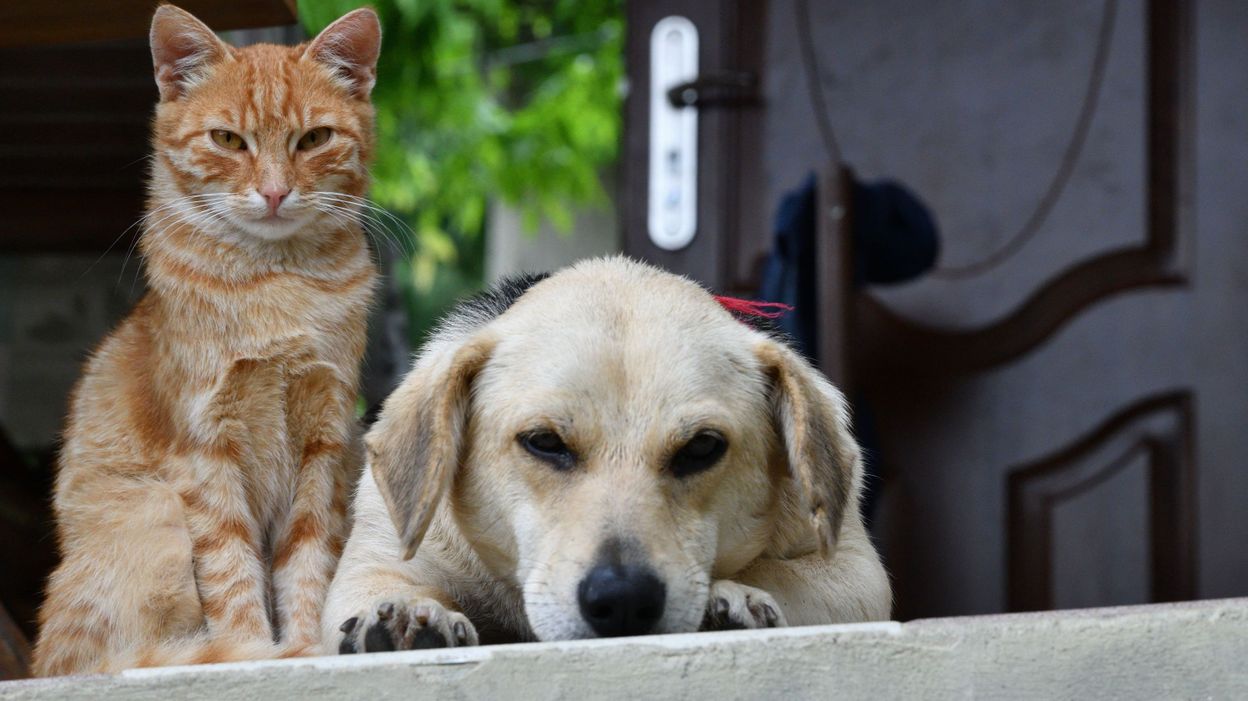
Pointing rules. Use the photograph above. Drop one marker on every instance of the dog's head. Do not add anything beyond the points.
(610, 443)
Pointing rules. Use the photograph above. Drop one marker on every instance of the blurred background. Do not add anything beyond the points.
(1013, 232)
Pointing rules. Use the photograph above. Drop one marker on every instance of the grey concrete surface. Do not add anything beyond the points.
(1175, 651)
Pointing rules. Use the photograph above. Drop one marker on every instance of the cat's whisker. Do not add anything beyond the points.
(126, 261)
(191, 203)
(148, 157)
(175, 210)
(372, 207)
(380, 216)
(202, 222)
(343, 218)
(338, 217)
(379, 235)
(167, 211)
(347, 219)
(377, 231)
(137, 222)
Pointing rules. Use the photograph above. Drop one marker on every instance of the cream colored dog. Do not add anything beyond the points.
(603, 452)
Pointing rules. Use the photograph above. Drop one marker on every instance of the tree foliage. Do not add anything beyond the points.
(482, 99)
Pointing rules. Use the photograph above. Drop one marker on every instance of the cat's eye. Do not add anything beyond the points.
(547, 446)
(228, 140)
(700, 453)
(314, 138)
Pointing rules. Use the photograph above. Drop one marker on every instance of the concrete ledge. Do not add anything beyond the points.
(1189, 650)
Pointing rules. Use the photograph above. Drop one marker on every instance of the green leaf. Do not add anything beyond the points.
(487, 100)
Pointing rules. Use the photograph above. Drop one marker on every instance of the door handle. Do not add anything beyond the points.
(672, 209)
(716, 89)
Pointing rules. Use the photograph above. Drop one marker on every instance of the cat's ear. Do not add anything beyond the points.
(350, 47)
(182, 50)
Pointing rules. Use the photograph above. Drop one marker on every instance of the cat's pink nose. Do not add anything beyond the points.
(274, 194)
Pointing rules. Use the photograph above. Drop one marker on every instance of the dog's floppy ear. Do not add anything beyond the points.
(418, 441)
(811, 418)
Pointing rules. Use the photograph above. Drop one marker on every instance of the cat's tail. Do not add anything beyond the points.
(195, 650)
(186, 651)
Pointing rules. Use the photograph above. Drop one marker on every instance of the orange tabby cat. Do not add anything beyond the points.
(201, 491)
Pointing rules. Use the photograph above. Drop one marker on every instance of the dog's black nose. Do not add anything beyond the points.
(621, 600)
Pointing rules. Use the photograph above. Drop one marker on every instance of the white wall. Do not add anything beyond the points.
(510, 249)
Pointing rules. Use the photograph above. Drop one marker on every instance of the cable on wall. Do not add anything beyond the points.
(1061, 177)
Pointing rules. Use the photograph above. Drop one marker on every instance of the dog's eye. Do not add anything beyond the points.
(548, 446)
(700, 453)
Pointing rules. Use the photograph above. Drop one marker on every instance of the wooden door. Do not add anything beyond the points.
(1061, 408)
(726, 250)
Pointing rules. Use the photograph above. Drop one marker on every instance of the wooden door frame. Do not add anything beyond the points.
(731, 38)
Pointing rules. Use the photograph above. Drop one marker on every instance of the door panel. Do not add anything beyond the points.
(1063, 425)
(1099, 549)
(1110, 519)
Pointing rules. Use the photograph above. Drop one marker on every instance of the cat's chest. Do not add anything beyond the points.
(294, 320)
(297, 305)
(278, 372)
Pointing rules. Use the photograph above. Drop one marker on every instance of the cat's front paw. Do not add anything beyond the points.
(415, 624)
(733, 606)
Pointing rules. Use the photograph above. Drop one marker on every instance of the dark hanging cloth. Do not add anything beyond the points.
(789, 276)
(894, 238)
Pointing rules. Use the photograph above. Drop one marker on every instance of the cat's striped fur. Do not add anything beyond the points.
(202, 486)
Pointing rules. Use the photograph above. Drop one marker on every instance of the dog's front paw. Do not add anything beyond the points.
(733, 606)
(415, 624)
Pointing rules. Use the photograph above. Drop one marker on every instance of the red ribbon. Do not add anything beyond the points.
(749, 307)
